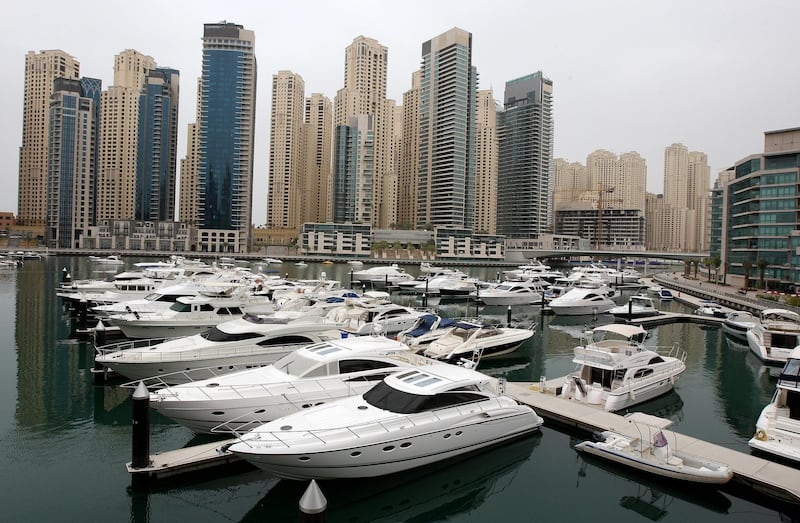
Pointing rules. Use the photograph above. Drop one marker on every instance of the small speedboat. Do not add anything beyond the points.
(467, 340)
(410, 419)
(711, 309)
(111, 259)
(656, 457)
(638, 306)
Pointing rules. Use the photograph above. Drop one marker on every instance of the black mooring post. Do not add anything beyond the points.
(508, 316)
(140, 448)
(83, 312)
(313, 505)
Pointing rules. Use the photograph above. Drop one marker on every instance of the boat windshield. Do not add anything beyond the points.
(214, 334)
(385, 397)
(296, 364)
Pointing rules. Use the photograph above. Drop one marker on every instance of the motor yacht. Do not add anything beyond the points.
(248, 340)
(511, 293)
(638, 306)
(410, 419)
(427, 328)
(309, 376)
(778, 426)
(111, 259)
(775, 335)
(471, 341)
(189, 315)
(359, 317)
(615, 370)
(737, 323)
(382, 275)
(711, 309)
(582, 300)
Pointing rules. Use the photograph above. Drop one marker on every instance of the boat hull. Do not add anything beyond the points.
(378, 456)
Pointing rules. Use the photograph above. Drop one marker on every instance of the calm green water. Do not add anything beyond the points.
(64, 440)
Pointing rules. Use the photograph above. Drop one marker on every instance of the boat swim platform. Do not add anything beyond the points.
(764, 476)
(187, 460)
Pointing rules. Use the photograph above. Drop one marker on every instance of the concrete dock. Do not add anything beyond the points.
(767, 477)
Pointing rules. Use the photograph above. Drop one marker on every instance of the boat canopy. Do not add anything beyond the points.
(622, 329)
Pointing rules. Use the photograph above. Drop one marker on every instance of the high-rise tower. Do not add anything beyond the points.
(446, 168)
(286, 150)
(226, 117)
(119, 136)
(158, 144)
(74, 115)
(525, 166)
(40, 71)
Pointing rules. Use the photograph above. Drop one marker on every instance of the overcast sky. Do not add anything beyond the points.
(627, 75)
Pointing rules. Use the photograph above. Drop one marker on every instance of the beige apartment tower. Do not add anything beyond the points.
(484, 220)
(119, 126)
(40, 71)
(286, 151)
(315, 177)
(408, 156)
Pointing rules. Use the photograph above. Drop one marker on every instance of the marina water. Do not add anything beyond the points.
(64, 440)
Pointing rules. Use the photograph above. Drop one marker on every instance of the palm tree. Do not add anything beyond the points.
(687, 267)
(762, 268)
(746, 266)
(708, 263)
(716, 263)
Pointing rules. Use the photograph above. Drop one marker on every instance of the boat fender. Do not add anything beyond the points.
(761, 435)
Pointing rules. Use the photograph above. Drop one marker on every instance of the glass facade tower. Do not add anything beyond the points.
(227, 121)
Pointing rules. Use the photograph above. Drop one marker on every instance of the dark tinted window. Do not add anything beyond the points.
(347, 366)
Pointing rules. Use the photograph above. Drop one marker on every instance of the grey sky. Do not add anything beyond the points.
(628, 75)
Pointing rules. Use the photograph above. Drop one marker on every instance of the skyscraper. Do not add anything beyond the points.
(157, 148)
(119, 136)
(364, 93)
(485, 219)
(226, 117)
(525, 166)
(286, 150)
(448, 86)
(408, 163)
(316, 160)
(72, 153)
(40, 71)
(353, 176)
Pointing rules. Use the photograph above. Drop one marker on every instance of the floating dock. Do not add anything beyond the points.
(187, 459)
(767, 477)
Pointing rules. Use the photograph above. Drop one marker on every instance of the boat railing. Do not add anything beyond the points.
(379, 426)
(139, 343)
(194, 354)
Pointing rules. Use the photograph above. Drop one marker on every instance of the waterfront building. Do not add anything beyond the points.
(525, 159)
(457, 243)
(686, 199)
(188, 201)
(718, 222)
(158, 145)
(336, 239)
(446, 162)
(118, 150)
(286, 151)
(139, 235)
(569, 180)
(763, 229)
(486, 151)
(611, 228)
(226, 120)
(40, 71)
(72, 153)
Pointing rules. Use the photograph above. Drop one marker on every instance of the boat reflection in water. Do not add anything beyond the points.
(431, 493)
(653, 496)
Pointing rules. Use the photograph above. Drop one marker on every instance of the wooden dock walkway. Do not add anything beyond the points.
(187, 459)
(767, 477)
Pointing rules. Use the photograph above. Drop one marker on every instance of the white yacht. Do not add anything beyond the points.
(711, 309)
(776, 334)
(310, 376)
(778, 426)
(427, 328)
(408, 420)
(111, 259)
(638, 306)
(470, 341)
(358, 317)
(382, 275)
(527, 292)
(737, 323)
(583, 300)
(189, 315)
(249, 340)
(615, 371)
